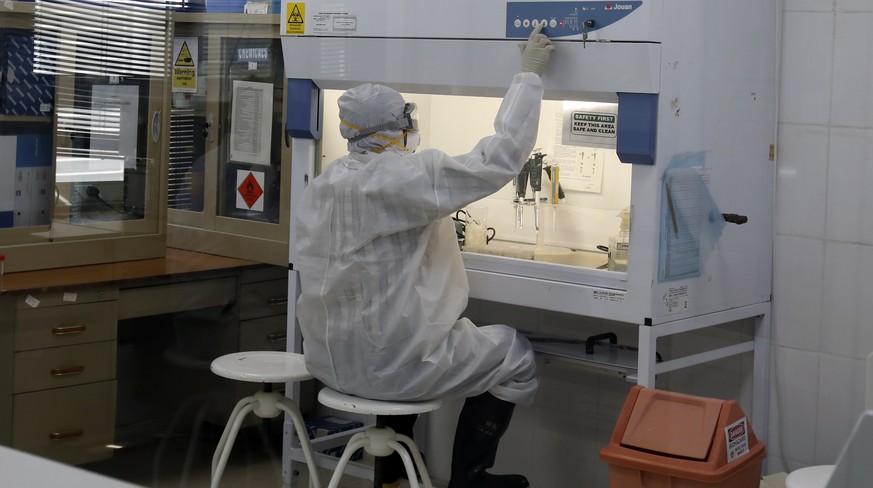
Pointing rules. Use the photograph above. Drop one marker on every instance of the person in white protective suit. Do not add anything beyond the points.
(383, 285)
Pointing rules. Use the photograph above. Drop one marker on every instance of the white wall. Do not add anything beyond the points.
(823, 276)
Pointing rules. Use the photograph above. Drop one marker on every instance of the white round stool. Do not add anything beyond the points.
(379, 441)
(810, 477)
(261, 367)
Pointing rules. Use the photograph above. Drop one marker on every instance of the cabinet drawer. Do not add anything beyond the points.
(64, 366)
(72, 425)
(263, 299)
(61, 326)
(64, 296)
(265, 334)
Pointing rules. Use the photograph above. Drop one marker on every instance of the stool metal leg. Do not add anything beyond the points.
(407, 462)
(225, 444)
(297, 418)
(223, 440)
(356, 442)
(419, 461)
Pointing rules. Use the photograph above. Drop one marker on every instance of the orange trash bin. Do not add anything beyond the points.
(671, 440)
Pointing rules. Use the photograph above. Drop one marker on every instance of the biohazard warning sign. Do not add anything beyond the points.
(295, 22)
(250, 190)
(185, 64)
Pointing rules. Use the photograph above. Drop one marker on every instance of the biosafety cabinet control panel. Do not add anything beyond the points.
(562, 19)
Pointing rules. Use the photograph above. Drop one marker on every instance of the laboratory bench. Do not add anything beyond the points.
(91, 354)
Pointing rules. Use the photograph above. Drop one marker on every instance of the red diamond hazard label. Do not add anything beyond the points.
(250, 190)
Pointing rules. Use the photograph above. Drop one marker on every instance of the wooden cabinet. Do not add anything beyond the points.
(102, 354)
(63, 372)
(263, 309)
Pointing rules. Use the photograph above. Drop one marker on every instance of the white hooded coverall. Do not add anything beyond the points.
(383, 285)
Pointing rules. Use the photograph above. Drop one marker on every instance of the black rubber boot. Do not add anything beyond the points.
(390, 469)
(483, 421)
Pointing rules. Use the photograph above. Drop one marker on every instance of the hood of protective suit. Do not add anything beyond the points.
(369, 106)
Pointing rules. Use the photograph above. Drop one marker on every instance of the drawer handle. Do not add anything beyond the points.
(277, 301)
(58, 436)
(70, 329)
(67, 371)
(277, 336)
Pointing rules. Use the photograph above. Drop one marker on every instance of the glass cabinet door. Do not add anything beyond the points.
(83, 113)
(226, 191)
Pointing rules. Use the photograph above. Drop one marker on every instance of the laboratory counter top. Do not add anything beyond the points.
(175, 262)
(23, 470)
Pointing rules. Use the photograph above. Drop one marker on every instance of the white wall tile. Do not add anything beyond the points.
(798, 268)
(805, 88)
(847, 305)
(840, 402)
(793, 406)
(853, 5)
(808, 5)
(853, 68)
(850, 177)
(801, 180)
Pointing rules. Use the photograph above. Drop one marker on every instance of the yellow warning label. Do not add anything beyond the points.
(185, 68)
(184, 58)
(295, 23)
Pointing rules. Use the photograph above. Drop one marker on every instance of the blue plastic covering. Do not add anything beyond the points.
(636, 140)
(304, 100)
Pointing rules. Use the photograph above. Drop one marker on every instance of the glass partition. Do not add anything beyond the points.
(82, 132)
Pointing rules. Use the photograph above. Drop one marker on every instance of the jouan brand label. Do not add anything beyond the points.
(737, 438)
(619, 6)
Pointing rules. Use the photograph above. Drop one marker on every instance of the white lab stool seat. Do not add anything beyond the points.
(262, 367)
(380, 441)
(810, 477)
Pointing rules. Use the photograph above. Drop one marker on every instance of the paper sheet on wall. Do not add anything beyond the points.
(581, 167)
(115, 118)
(8, 150)
(250, 124)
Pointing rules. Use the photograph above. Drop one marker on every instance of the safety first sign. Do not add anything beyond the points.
(294, 21)
(185, 64)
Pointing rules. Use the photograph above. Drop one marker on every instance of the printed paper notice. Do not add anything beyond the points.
(334, 23)
(8, 148)
(250, 127)
(737, 437)
(609, 295)
(115, 115)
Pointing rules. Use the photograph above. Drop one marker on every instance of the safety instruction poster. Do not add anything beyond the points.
(185, 65)
(591, 124)
(250, 122)
(581, 167)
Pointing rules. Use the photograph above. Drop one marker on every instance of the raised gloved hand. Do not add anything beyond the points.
(535, 53)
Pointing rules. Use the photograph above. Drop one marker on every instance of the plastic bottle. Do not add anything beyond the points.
(618, 244)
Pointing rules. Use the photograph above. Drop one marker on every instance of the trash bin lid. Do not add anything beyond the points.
(672, 424)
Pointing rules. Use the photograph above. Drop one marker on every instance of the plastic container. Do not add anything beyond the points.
(670, 440)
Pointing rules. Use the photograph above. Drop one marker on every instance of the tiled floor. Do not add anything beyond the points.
(253, 463)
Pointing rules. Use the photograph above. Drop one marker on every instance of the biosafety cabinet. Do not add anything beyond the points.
(648, 198)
